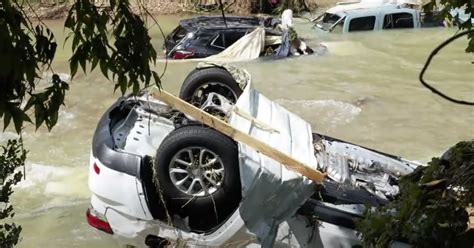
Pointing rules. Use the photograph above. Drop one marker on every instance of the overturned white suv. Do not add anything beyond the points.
(159, 177)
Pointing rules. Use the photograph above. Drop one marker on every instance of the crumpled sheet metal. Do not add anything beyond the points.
(271, 193)
(354, 165)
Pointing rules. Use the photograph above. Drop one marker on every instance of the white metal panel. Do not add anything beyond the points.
(118, 189)
(271, 193)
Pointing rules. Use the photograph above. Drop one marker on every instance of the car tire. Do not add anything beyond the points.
(175, 172)
(201, 82)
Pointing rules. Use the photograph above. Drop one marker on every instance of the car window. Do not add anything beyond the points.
(362, 24)
(203, 39)
(328, 21)
(179, 33)
(231, 37)
(338, 28)
(218, 41)
(226, 39)
(330, 18)
(398, 20)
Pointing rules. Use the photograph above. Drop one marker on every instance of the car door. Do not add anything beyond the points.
(361, 23)
(399, 19)
(362, 20)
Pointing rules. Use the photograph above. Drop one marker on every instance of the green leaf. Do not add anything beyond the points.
(17, 121)
(104, 68)
(75, 41)
(157, 79)
(53, 120)
(82, 62)
(39, 115)
(122, 81)
(136, 87)
(69, 22)
(6, 119)
(73, 63)
(95, 61)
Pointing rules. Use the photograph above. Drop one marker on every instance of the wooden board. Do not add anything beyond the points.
(238, 135)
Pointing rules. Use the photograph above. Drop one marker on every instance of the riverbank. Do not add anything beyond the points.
(53, 9)
(56, 9)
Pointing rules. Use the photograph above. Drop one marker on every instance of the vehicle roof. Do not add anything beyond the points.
(365, 5)
(217, 22)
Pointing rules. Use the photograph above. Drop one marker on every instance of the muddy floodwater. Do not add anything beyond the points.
(365, 89)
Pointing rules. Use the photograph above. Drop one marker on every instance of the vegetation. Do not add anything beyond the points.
(13, 156)
(446, 6)
(113, 38)
(126, 56)
(430, 210)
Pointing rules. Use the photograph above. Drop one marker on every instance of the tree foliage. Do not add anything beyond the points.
(13, 156)
(26, 50)
(448, 12)
(430, 210)
(112, 37)
(127, 59)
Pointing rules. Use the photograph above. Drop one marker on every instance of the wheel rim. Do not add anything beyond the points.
(196, 171)
(201, 93)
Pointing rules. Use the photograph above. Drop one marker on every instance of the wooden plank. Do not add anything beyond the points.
(254, 121)
(225, 128)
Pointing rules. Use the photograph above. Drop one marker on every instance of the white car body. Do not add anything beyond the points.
(122, 203)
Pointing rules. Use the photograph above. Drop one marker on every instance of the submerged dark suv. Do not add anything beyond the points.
(204, 36)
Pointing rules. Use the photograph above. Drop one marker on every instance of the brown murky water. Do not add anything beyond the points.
(364, 90)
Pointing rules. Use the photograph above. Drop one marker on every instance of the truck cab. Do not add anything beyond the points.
(361, 16)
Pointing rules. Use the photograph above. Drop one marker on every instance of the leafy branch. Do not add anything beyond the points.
(128, 59)
(12, 157)
(449, 12)
(430, 210)
(26, 49)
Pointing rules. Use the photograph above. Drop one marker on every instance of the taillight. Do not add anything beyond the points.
(98, 220)
(96, 169)
(182, 54)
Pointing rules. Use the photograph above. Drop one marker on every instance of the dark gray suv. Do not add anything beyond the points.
(204, 36)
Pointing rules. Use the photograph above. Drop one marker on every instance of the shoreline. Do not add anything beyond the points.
(53, 10)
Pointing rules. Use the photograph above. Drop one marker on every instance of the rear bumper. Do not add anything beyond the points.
(296, 232)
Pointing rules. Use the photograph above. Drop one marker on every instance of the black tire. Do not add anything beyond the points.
(215, 206)
(201, 82)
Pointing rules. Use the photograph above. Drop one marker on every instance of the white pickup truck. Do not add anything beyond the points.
(369, 15)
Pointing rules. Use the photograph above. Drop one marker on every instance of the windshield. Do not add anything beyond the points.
(329, 21)
(330, 18)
